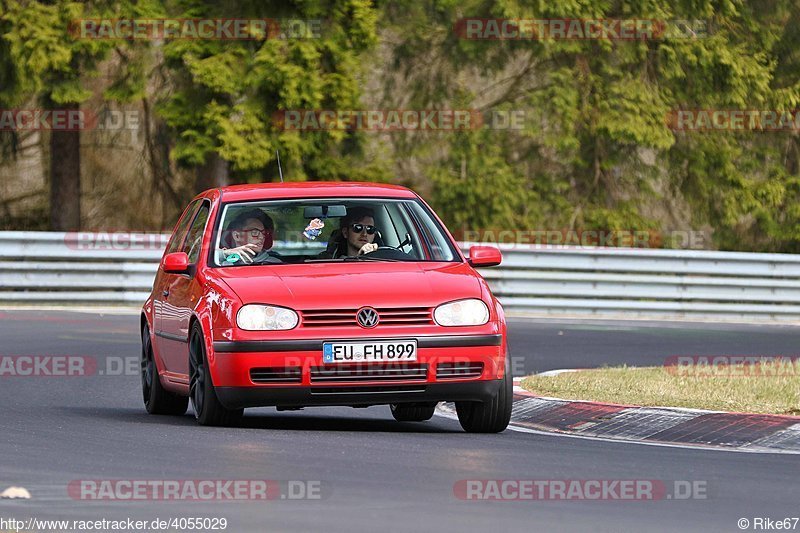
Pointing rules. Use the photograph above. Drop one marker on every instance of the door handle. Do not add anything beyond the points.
(165, 293)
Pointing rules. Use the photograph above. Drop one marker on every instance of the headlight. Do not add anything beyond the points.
(265, 317)
(462, 313)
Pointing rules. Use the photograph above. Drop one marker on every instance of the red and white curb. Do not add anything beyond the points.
(658, 426)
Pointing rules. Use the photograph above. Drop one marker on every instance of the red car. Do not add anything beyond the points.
(313, 294)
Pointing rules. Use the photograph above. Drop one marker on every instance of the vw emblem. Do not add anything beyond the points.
(367, 317)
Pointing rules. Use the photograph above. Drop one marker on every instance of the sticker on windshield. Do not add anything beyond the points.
(232, 258)
(313, 229)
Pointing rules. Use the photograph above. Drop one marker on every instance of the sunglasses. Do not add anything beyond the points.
(358, 228)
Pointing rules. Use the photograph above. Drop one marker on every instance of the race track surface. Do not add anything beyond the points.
(375, 474)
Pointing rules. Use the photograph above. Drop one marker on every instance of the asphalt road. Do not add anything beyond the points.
(374, 473)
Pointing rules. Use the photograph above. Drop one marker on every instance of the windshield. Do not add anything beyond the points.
(328, 230)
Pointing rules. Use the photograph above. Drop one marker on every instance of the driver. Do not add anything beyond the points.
(356, 234)
(248, 239)
(358, 230)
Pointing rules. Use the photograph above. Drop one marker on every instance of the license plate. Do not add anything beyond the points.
(350, 352)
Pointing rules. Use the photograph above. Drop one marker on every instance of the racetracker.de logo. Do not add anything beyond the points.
(715, 366)
(709, 120)
(224, 29)
(378, 119)
(68, 120)
(621, 238)
(505, 29)
(115, 241)
(60, 366)
(193, 489)
(579, 489)
(47, 365)
(46, 120)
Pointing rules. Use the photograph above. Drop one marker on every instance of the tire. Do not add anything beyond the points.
(491, 416)
(208, 411)
(412, 412)
(157, 400)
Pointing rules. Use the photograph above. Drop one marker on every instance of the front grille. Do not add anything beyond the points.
(381, 389)
(276, 375)
(351, 373)
(398, 316)
(458, 370)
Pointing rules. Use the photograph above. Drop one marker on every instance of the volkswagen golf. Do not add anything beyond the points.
(300, 295)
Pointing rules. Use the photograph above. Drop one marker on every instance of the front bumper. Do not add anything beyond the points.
(358, 396)
(232, 362)
(303, 345)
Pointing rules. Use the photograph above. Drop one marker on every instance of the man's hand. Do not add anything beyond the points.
(247, 252)
(367, 248)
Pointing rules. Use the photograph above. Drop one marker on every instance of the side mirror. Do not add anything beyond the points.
(484, 256)
(176, 263)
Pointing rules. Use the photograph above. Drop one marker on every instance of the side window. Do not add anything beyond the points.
(180, 231)
(194, 240)
(435, 240)
(403, 226)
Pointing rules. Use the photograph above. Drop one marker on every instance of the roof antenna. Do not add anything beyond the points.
(280, 171)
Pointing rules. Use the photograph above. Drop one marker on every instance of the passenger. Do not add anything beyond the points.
(248, 239)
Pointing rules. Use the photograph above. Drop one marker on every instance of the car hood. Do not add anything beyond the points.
(352, 285)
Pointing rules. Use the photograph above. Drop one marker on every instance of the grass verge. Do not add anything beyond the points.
(772, 388)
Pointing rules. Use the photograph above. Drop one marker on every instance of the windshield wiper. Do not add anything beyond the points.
(352, 258)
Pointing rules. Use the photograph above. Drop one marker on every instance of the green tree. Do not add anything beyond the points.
(48, 64)
(227, 92)
(596, 151)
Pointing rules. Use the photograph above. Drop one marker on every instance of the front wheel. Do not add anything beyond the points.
(491, 416)
(157, 400)
(412, 412)
(207, 408)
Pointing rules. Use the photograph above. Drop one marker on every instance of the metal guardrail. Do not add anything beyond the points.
(649, 283)
(56, 268)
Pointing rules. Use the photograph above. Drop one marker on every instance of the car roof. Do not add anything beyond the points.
(312, 189)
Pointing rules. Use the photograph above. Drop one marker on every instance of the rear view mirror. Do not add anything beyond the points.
(324, 211)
